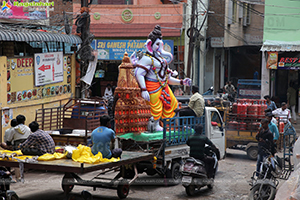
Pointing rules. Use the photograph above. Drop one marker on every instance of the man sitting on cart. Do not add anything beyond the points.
(38, 143)
(101, 138)
(196, 105)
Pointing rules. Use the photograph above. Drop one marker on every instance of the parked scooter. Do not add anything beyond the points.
(194, 175)
(209, 91)
(264, 183)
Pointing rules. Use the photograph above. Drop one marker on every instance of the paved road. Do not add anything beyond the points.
(230, 184)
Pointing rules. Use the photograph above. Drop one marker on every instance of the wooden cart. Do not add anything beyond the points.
(72, 169)
(81, 114)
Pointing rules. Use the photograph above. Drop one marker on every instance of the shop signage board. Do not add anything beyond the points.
(48, 68)
(289, 63)
(249, 93)
(20, 81)
(216, 42)
(115, 49)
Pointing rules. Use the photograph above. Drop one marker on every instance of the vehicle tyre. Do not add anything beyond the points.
(127, 173)
(216, 169)
(176, 174)
(123, 190)
(252, 153)
(65, 184)
(12, 196)
(210, 186)
(190, 190)
(268, 192)
(224, 155)
(151, 172)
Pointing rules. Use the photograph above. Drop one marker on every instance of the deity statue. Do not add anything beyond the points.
(154, 76)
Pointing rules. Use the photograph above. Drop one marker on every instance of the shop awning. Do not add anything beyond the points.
(270, 45)
(133, 30)
(27, 35)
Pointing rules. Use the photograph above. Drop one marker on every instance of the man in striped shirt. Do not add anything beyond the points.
(38, 143)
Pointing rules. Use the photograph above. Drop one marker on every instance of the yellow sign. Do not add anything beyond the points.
(20, 81)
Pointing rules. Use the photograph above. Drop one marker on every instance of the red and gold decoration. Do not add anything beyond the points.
(131, 112)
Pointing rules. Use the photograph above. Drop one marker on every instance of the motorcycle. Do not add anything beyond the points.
(264, 183)
(209, 91)
(194, 175)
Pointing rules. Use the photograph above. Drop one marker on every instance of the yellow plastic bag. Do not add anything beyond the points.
(19, 152)
(55, 156)
(84, 154)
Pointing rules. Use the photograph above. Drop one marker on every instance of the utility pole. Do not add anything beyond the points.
(191, 42)
(85, 50)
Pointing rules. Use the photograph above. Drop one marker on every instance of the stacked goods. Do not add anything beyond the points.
(253, 109)
(242, 109)
(131, 112)
(246, 115)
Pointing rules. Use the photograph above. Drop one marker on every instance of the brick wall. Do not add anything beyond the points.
(56, 16)
(214, 28)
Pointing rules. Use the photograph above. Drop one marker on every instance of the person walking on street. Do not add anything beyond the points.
(270, 104)
(291, 100)
(273, 128)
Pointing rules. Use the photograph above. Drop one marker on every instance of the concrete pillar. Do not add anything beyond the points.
(265, 76)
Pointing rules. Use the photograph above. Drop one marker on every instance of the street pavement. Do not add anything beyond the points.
(231, 183)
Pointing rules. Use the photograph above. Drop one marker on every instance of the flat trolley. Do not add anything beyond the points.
(72, 169)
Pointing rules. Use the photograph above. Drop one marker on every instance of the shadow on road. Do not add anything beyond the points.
(237, 156)
(203, 192)
(51, 195)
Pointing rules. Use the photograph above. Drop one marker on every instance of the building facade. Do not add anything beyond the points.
(243, 34)
(120, 26)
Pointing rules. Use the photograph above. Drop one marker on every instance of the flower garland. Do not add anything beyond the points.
(163, 85)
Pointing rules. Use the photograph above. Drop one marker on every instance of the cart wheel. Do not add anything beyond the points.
(123, 190)
(65, 184)
(252, 153)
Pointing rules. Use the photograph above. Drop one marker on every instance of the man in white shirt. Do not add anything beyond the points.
(8, 132)
(18, 134)
(282, 113)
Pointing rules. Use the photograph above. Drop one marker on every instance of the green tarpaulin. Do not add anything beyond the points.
(146, 137)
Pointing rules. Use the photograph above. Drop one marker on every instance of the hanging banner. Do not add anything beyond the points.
(48, 68)
(272, 60)
(115, 49)
(289, 63)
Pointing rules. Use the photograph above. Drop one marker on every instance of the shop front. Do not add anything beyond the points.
(284, 73)
(280, 50)
(36, 73)
(110, 55)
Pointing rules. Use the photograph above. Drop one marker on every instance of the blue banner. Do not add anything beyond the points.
(115, 49)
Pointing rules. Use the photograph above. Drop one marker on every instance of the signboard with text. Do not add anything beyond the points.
(48, 68)
(289, 63)
(115, 49)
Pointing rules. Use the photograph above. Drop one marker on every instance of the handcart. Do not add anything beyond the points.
(72, 169)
